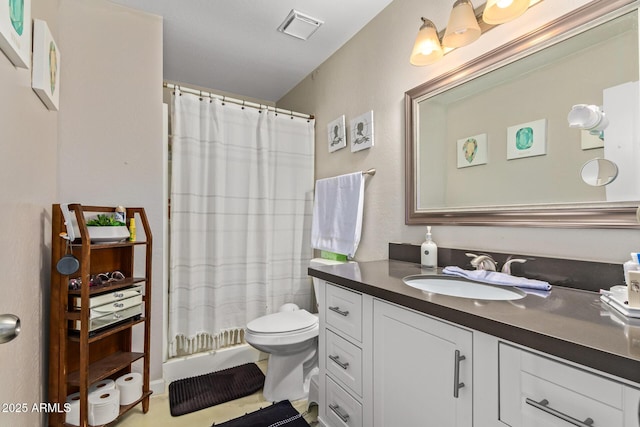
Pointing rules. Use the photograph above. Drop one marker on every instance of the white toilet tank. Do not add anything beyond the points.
(315, 262)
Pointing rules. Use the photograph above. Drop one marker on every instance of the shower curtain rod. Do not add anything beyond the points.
(242, 102)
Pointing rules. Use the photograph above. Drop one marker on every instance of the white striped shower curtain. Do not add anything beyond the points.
(240, 222)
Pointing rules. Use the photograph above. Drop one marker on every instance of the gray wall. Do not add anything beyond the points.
(372, 72)
(104, 146)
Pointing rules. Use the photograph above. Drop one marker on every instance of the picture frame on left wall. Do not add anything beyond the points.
(45, 78)
(15, 31)
(337, 137)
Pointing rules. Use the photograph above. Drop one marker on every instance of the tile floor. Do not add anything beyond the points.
(160, 416)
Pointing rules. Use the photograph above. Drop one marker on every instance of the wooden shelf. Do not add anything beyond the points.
(105, 367)
(77, 359)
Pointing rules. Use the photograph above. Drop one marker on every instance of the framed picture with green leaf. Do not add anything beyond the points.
(15, 31)
(45, 79)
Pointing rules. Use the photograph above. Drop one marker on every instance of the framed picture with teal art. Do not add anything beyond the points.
(15, 31)
(527, 140)
(45, 77)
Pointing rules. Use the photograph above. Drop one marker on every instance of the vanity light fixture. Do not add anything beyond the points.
(463, 27)
(427, 48)
(501, 11)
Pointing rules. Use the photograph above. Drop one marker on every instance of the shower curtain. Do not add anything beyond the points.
(240, 219)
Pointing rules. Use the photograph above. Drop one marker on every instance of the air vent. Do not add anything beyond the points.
(299, 25)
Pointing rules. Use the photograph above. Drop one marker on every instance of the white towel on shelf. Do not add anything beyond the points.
(495, 278)
(337, 214)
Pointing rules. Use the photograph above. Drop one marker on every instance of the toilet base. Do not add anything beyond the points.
(288, 376)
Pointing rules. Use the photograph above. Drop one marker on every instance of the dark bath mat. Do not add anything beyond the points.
(280, 414)
(196, 393)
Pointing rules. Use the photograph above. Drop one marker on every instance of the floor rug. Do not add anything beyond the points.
(196, 393)
(279, 414)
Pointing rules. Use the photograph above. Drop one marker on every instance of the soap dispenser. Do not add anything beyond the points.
(429, 251)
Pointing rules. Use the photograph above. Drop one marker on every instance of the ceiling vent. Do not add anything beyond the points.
(299, 25)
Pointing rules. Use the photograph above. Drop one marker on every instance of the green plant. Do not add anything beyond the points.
(104, 220)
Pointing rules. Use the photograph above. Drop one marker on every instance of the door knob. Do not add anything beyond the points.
(9, 327)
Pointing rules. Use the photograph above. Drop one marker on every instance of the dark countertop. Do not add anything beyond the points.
(570, 324)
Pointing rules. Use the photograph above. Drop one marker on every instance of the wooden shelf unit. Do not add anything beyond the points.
(77, 359)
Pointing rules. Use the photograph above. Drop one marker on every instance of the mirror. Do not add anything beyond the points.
(490, 143)
(599, 172)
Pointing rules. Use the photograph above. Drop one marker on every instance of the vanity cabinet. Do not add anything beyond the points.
(539, 391)
(422, 370)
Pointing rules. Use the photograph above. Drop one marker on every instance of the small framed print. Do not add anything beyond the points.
(15, 31)
(527, 140)
(45, 79)
(472, 151)
(361, 132)
(337, 137)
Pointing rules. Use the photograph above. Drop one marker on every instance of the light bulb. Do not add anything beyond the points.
(504, 3)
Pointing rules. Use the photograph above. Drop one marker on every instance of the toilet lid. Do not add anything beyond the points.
(286, 321)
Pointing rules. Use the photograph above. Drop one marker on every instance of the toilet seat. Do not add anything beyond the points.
(283, 323)
(282, 328)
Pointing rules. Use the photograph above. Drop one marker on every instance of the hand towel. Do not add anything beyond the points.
(495, 278)
(337, 214)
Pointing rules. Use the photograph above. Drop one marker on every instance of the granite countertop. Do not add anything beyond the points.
(570, 324)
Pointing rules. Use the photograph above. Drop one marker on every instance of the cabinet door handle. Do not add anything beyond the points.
(336, 359)
(336, 410)
(340, 312)
(457, 385)
(543, 405)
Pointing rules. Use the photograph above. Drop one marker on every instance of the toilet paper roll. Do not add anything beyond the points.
(73, 415)
(130, 386)
(102, 386)
(104, 406)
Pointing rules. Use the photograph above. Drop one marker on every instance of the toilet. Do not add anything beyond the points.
(290, 337)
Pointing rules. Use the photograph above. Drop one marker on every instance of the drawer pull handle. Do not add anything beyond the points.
(543, 405)
(340, 312)
(118, 295)
(336, 410)
(118, 304)
(336, 359)
(457, 385)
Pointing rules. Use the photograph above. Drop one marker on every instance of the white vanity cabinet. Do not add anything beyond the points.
(539, 391)
(422, 370)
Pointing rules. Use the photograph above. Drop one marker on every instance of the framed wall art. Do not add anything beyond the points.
(337, 136)
(527, 140)
(15, 31)
(361, 132)
(45, 77)
(472, 151)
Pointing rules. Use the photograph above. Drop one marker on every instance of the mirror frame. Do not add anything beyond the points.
(574, 215)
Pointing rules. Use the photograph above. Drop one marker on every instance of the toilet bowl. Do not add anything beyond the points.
(290, 337)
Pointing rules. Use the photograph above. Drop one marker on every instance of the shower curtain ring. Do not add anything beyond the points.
(243, 104)
(223, 98)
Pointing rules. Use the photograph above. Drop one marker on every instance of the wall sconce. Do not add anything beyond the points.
(464, 27)
(427, 48)
(501, 11)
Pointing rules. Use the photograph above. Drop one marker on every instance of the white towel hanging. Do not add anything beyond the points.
(337, 214)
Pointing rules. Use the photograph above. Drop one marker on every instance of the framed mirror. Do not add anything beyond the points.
(490, 144)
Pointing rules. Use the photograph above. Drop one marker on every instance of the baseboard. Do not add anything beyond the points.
(158, 387)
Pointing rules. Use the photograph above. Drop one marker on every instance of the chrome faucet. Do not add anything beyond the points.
(506, 268)
(482, 262)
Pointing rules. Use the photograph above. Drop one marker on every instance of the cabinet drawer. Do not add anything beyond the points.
(535, 390)
(109, 297)
(342, 409)
(344, 362)
(343, 311)
(111, 318)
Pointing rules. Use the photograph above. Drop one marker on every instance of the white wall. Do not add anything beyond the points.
(372, 72)
(110, 148)
(28, 162)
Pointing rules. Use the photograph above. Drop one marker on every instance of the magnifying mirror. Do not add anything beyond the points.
(599, 172)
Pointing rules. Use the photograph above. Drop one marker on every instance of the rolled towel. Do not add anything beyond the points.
(495, 278)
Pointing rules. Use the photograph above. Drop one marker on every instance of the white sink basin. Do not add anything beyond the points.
(463, 288)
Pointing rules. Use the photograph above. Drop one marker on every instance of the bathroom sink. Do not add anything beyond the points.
(456, 287)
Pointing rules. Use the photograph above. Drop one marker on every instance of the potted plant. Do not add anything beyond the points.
(106, 228)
